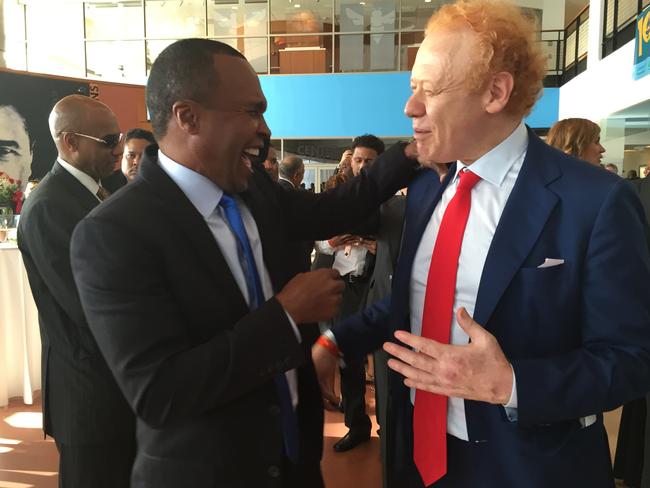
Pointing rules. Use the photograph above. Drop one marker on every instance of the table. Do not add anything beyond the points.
(20, 340)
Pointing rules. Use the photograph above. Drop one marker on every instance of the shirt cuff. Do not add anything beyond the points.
(512, 403)
(293, 326)
(324, 247)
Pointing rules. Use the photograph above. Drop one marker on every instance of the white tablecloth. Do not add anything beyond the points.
(20, 340)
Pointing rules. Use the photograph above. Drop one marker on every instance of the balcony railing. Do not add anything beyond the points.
(619, 23)
(576, 45)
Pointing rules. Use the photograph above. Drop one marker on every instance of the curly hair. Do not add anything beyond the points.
(573, 136)
(505, 43)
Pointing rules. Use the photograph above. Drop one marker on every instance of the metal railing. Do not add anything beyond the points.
(576, 45)
(619, 23)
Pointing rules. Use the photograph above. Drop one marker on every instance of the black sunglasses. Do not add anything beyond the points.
(110, 140)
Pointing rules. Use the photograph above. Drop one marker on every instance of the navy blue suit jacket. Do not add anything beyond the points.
(577, 335)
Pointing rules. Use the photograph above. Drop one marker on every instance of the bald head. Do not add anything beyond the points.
(292, 168)
(86, 134)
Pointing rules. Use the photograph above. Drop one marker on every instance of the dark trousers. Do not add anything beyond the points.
(303, 475)
(353, 376)
(381, 403)
(628, 461)
(97, 466)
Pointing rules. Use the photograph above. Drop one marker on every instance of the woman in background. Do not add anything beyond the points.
(579, 138)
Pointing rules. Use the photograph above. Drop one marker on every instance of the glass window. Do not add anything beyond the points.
(366, 52)
(171, 19)
(154, 48)
(301, 54)
(409, 48)
(254, 48)
(16, 55)
(233, 18)
(301, 16)
(12, 14)
(415, 13)
(116, 20)
(583, 38)
(121, 61)
(627, 10)
(374, 16)
(63, 53)
(609, 17)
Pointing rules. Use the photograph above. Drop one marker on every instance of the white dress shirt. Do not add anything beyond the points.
(347, 259)
(498, 170)
(84, 179)
(205, 196)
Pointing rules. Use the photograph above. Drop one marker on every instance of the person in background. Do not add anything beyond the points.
(353, 256)
(271, 164)
(612, 168)
(135, 142)
(632, 175)
(292, 171)
(579, 138)
(83, 408)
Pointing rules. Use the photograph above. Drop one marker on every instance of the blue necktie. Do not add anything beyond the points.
(256, 299)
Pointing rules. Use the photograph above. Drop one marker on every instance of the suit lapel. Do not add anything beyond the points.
(521, 223)
(192, 225)
(426, 201)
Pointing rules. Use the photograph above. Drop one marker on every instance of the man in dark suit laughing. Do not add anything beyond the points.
(184, 279)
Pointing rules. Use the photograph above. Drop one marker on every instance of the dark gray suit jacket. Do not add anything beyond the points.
(81, 401)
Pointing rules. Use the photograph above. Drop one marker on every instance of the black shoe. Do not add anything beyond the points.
(351, 440)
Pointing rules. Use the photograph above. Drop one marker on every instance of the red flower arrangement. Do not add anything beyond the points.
(10, 193)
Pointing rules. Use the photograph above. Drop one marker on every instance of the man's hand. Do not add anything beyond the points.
(312, 296)
(370, 245)
(343, 240)
(476, 371)
(326, 366)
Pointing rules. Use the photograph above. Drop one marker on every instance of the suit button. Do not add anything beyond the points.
(274, 472)
(274, 410)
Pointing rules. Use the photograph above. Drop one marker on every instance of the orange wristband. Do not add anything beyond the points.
(332, 348)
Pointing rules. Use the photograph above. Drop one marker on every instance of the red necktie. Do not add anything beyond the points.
(430, 411)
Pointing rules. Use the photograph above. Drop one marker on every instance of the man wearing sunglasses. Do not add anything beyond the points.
(83, 408)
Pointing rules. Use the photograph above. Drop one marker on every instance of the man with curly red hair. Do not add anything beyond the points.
(518, 312)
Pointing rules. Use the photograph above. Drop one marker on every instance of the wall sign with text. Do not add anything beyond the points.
(642, 51)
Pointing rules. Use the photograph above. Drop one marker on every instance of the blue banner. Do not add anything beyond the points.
(642, 51)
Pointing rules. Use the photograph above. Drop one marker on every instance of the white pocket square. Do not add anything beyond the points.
(549, 263)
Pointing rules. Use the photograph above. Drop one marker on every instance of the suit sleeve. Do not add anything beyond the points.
(164, 373)
(612, 366)
(47, 233)
(317, 217)
(364, 332)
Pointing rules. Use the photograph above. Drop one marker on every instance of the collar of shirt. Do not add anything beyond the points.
(284, 179)
(82, 177)
(494, 165)
(201, 191)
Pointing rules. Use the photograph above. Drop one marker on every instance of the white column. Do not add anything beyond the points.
(596, 21)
